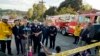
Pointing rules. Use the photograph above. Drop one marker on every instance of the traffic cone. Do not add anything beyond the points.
(30, 51)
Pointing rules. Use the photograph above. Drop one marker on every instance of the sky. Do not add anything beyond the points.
(24, 5)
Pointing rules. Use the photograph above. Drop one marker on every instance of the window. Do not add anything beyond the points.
(67, 19)
(72, 18)
(81, 19)
(87, 19)
(84, 19)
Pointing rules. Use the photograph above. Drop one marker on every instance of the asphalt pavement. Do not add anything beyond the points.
(65, 42)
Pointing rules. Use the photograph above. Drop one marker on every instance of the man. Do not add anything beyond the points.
(5, 36)
(36, 35)
(52, 35)
(45, 31)
(85, 34)
(24, 33)
(16, 32)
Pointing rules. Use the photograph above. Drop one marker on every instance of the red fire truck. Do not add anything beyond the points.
(60, 21)
(83, 19)
(66, 23)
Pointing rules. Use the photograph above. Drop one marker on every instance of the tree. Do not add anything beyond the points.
(75, 4)
(30, 13)
(68, 10)
(86, 7)
(38, 11)
(51, 11)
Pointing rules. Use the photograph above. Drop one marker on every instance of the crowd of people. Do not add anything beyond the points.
(26, 34)
(83, 36)
(34, 34)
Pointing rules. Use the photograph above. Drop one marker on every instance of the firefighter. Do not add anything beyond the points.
(52, 35)
(16, 32)
(77, 33)
(36, 36)
(5, 35)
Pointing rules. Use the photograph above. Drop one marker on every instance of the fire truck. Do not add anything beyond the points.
(66, 23)
(61, 21)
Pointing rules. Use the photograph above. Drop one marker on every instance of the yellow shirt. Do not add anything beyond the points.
(77, 31)
(4, 31)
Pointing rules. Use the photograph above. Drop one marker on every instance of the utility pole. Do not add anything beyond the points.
(42, 2)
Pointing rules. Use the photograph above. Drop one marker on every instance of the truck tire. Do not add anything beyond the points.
(63, 32)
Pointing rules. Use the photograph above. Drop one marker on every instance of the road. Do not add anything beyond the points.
(65, 42)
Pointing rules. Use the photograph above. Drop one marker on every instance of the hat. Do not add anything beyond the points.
(5, 17)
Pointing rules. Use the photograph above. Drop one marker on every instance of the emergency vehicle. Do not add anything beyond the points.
(66, 23)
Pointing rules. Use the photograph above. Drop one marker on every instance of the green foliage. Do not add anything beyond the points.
(75, 4)
(67, 6)
(51, 11)
(68, 10)
(30, 13)
(38, 11)
(86, 7)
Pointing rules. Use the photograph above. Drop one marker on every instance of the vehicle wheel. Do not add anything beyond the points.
(63, 32)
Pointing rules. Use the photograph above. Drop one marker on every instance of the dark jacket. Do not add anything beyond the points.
(52, 30)
(45, 31)
(16, 30)
(84, 33)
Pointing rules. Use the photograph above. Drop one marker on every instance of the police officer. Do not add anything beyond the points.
(52, 35)
(45, 31)
(36, 35)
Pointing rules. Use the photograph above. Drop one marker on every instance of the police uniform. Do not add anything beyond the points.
(36, 39)
(45, 32)
(52, 35)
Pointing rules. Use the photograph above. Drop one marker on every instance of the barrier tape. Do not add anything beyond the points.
(76, 50)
